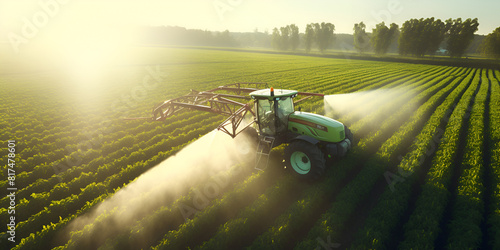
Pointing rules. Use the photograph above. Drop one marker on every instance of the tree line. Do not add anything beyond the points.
(286, 37)
(491, 44)
(320, 35)
(417, 37)
(424, 36)
(173, 35)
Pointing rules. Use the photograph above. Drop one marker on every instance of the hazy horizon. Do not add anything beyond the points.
(236, 15)
(85, 31)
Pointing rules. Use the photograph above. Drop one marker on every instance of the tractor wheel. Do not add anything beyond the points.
(349, 135)
(305, 160)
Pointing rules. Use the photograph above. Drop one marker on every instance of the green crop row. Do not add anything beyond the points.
(241, 227)
(259, 207)
(429, 99)
(423, 226)
(295, 221)
(300, 211)
(331, 83)
(89, 163)
(389, 76)
(47, 118)
(394, 201)
(468, 210)
(79, 140)
(317, 106)
(60, 186)
(493, 220)
(325, 187)
(358, 80)
(49, 228)
(21, 176)
(150, 228)
(42, 239)
(365, 102)
(230, 233)
(39, 200)
(407, 91)
(110, 182)
(55, 149)
(248, 220)
(359, 188)
(242, 194)
(250, 204)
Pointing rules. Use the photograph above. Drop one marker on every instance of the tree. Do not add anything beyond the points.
(406, 36)
(276, 39)
(324, 35)
(422, 36)
(394, 35)
(360, 37)
(320, 34)
(434, 34)
(294, 36)
(309, 37)
(461, 35)
(382, 37)
(285, 38)
(223, 39)
(491, 44)
(317, 33)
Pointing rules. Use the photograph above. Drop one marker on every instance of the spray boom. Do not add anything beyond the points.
(224, 100)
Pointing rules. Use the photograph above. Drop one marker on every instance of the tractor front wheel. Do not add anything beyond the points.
(305, 160)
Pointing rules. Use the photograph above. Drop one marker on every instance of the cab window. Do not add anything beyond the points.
(265, 112)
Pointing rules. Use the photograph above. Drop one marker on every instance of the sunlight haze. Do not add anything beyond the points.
(241, 15)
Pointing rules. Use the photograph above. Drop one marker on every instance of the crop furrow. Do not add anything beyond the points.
(431, 203)
(333, 222)
(280, 234)
(402, 183)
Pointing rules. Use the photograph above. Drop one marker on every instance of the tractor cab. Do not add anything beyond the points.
(272, 109)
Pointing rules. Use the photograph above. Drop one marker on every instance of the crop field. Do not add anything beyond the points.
(425, 171)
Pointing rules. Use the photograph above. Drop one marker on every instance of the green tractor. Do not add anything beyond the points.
(312, 138)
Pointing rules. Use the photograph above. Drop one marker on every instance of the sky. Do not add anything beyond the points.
(107, 23)
(86, 35)
(237, 15)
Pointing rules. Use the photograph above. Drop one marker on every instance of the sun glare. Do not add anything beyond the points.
(82, 42)
(88, 64)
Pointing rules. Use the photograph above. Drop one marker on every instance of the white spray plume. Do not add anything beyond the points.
(359, 104)
(210, 154)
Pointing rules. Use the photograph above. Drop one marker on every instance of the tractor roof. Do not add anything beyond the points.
(266, 93)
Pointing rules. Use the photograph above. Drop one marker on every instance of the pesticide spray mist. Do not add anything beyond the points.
(352, 107)
(194, 164)
(360, 104)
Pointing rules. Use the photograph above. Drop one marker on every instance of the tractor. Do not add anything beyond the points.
(312, 139)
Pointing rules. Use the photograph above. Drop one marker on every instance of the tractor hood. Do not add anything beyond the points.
(317, 126)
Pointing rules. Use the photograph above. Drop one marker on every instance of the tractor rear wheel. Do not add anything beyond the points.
(305, 160)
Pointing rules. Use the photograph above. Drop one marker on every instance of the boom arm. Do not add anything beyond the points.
(215, 102)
